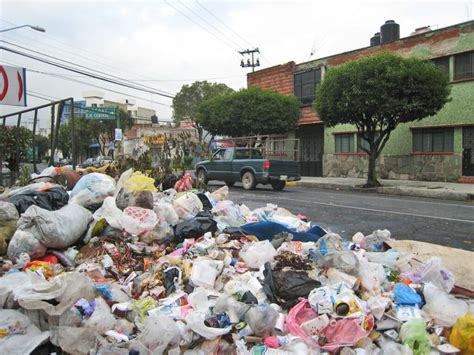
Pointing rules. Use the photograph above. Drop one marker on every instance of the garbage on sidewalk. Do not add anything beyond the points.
(123, 268)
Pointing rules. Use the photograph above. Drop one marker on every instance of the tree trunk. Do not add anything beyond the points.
(372, 174)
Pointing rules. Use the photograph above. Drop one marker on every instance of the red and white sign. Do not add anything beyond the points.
(12, 86)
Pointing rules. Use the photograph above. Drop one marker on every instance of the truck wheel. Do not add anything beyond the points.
(230, 183)
(202, 177)
(248, 181)
(278, 185)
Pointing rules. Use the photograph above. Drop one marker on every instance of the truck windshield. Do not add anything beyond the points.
(248, 153)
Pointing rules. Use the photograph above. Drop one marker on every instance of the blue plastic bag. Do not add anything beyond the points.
(267, 230)
(405, 295)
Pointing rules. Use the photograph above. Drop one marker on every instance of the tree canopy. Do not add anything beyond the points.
(8, 144)
(249, 111)
(376, 94)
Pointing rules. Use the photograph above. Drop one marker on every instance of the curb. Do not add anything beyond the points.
(393, 190)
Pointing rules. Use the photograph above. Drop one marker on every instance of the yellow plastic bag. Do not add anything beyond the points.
(139, 182)
(462, 335)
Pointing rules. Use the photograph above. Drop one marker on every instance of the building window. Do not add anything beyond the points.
(94, 105)
(464, 66)
(344, 143)
(305, 85)
(434, 140)
(361, 142)
(443, 64)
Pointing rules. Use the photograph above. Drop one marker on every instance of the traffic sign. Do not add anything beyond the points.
(12, 85)
(100, 113)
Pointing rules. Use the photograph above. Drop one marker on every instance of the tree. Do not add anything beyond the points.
(249, 111)
(8, 144)
(187, 101)
(42, 143)
(378, 93)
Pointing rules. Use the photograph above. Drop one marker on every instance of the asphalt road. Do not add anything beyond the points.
(448, 223)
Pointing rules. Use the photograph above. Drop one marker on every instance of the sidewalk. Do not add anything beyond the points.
(429, 189)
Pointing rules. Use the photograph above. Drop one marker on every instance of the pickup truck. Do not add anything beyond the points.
(249, 166)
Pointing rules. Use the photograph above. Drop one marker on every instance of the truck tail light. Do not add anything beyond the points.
(266, 164)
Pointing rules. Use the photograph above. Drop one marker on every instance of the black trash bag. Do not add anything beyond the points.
(249, 298)
(293, 284)
(51, 200)
(169, 181)
(195, 227)
(171, 275)
(206, 204)
(143, 199)
(268, 284)
(286, 286)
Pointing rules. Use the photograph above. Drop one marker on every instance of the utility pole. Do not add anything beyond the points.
(249, 64)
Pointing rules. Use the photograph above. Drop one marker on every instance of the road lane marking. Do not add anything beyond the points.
(372, 209)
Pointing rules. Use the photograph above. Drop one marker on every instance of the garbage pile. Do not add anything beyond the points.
(121, 267)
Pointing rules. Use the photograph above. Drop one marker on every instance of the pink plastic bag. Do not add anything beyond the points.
(299, 314)
(343, 332)
(184, 184)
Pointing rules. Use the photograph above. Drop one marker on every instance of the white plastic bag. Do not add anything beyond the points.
(433, 271)
(159, 332)
(166, 212)
(111, 213)
(258, 253)
(92, 189)
(220, 194)
(102, 319)
(372, 275)
(25, 336)
(187, 204)
(205, 272)
(8, 212)
(195, 321)
(56, 229)
(137, 220)
(442, 307)
(25, 242)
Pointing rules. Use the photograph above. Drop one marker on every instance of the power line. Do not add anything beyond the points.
(81, 66)
(228, 27)
(197, 23)
(62, 66)
(209, 24)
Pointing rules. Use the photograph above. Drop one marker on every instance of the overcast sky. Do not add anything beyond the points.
(165, 44)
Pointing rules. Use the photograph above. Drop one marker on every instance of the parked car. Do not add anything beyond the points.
(248, 166)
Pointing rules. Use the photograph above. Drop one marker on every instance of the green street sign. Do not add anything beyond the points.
(100, 113)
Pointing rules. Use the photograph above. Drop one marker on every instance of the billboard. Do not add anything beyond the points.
(12, 85)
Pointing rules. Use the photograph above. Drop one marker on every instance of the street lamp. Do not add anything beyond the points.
(36, 28)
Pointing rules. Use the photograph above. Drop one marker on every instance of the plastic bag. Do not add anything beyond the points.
(160, 233)
(391, 347)
(374, 241)
(205, 272)
(195, 321)
(442, 307)
(166, 213)
(25, 242)
(220, 194)
(74, 340)
(413, 333)
(228, 209)
(388, 258)
(143, 199)
(55, 296)
(262, 319)
(92, 189)
(139, 182)
(327, 246)
(137, 220)
(56, 229)
(159, 332)
(462, 334)
(405, 295)
(290, 285)
(258, 253)
(299, 314)
(343, 332)
(194, 228)
(185, 183)
(51, 199)
(372, 275)
(433, 271)
(22, 336)
(187, 205)
(8, 212)
(110, 212)
(102, 319)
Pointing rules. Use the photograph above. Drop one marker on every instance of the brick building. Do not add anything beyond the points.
(436, 148)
